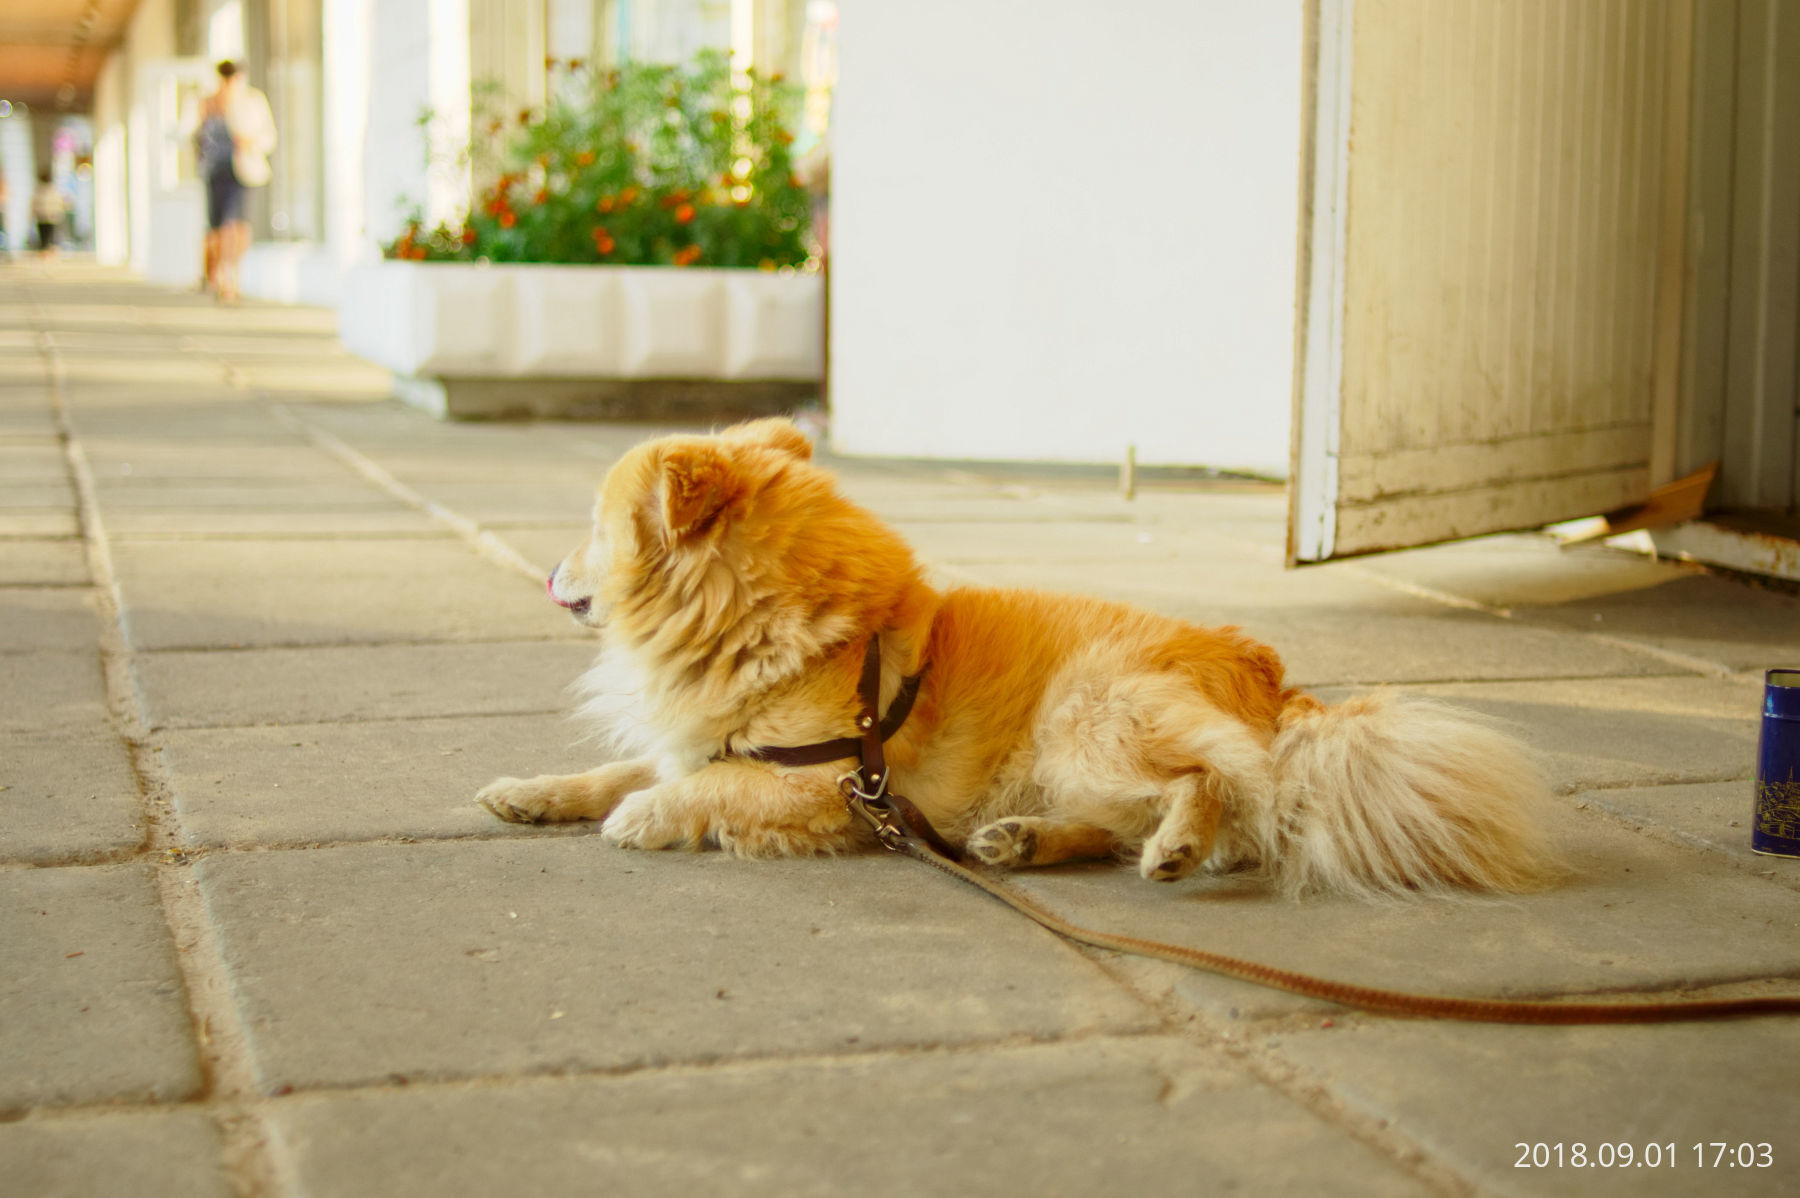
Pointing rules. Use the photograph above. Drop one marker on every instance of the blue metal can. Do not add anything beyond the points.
(1776, 828)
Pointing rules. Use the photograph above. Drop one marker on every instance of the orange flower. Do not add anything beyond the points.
(603, 242)
(524, 116)
(585, 158)
(542, 195)
(675, 199)
(628, 195)
(605, 205)
(468, 236)
(684, 214)
(687, 255)
(508, 219)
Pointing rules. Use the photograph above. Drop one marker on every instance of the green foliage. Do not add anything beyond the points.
(644, 165)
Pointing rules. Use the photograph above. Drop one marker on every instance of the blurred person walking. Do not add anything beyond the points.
(48, 208)
(233, 141)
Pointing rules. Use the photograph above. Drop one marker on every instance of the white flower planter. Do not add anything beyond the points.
(485, 340)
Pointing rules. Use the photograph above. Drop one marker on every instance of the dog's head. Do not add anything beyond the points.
(735, 542)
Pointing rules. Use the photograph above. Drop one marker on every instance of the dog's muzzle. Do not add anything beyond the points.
(578, 607)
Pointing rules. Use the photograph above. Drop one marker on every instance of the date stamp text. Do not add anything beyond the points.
(1706, 1154)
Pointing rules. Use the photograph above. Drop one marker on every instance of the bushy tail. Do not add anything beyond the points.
(1381, 795)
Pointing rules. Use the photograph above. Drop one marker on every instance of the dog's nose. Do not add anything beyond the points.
(577, 606)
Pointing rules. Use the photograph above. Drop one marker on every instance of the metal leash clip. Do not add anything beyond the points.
(874, 809)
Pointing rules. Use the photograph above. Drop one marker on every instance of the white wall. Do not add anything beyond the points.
(1061, 227)
(112, 240)
(18, 164)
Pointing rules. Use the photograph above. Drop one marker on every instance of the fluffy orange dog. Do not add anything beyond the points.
(737, 589)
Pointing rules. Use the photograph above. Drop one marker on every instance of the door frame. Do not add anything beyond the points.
(1319, 285)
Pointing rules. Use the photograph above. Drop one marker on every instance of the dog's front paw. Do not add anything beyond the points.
(648, 820)
(542, 799)
(1006, 843)
(1169, 856)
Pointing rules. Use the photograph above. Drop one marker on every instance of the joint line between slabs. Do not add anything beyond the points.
(483, 541)
(228, 1072)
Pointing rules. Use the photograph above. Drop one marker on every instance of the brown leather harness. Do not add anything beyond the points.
(865, 788)
(902, 827)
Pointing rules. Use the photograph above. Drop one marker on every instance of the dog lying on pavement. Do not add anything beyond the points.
(736, 591)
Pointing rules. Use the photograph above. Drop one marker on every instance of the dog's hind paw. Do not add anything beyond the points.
(1167, 858)
(1008, 842)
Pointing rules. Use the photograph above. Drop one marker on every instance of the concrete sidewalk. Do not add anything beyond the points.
(264, 633)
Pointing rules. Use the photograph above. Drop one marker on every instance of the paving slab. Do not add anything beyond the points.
(546, 545)
(1633, 914)
(43, 562)
(1706, 616)
(50, 691)
(38, 523)
(1324, 648)
(324, 685)
(67, 797)
(347, 379)
(1711, 815)
(191, 594)
(393, 432)
(513, 453)
(24, 498)
(1611, 732)
(463, 959)
(31, 465)
(119, 463)
(1101, 1117)
(369, 780)
(256, 343)
(95, 1009)
(55, 618)
(171, 371)
(278, 495)
(350, 522)
(33, 376)
(1471, 1095)
(558, 500)
(156, 1154)
(1527, 570)
(250, 317)
(112, 400)
(107, 342)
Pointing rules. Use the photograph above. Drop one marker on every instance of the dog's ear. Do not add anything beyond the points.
(697, 482)
(773, 432)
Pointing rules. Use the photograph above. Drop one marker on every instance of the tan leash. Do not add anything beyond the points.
(1368, 998)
